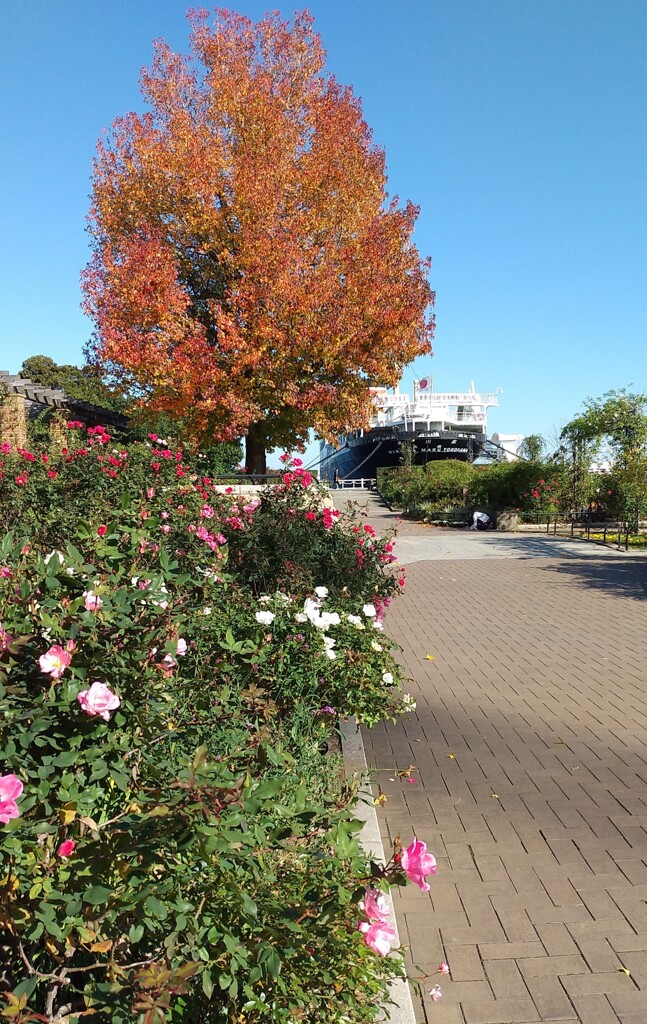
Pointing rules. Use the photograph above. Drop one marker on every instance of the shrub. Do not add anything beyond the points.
(178, 851)
(524, 486)
(441, 484)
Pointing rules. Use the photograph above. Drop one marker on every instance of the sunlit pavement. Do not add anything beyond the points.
(526, 656)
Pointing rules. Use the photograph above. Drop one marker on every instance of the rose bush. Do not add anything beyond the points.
(175, 846)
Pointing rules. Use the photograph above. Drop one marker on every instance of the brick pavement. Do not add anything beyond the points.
(530, 747)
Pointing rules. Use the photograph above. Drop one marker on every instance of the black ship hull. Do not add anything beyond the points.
(362, 457)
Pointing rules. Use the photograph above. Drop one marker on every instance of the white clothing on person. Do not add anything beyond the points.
(480, 517)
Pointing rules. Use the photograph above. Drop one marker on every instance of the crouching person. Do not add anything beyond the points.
(481, 521)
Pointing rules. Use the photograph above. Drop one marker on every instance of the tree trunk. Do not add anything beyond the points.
(255, 455)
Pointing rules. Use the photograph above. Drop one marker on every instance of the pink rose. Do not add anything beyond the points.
(378, 936)
(10, 789)
(6, 639)
(417, 863)
(102, 530)
(374, 905)
(66, 849)
(168, 664)
(92, 601)
(55, 661)
(435, 993)
(98, 700)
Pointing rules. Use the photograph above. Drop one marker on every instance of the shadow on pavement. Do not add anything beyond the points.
(622, 578)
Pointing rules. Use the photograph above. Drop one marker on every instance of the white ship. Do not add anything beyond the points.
(439, 425)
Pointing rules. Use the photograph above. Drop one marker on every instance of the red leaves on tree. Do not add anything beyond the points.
(249, 272)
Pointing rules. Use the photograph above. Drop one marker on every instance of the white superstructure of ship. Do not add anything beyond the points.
(437, 424)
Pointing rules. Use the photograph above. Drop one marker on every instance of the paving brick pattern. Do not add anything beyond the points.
(530, 748)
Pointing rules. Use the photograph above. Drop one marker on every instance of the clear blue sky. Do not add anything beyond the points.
(518, 126)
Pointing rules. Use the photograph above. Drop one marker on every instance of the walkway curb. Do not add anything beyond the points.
(402, 1012)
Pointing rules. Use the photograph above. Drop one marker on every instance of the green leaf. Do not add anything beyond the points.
(156, 908)
(96, 895)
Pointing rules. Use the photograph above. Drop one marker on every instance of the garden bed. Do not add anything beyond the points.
(172, 661)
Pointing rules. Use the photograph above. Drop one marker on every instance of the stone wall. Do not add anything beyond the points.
(13, 420)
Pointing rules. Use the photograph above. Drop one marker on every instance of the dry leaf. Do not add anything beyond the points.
(101, 947)
(67, 813)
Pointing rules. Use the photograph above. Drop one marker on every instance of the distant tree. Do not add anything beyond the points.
(250, 274)
(407, 455)
(613, 428)
(84, 383)
(532, 448)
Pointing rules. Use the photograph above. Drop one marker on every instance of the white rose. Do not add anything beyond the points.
(327, 619)
(354, 620)
(300, 617)
(375, 646)
(369, 611)
(321, 591)
(387, 678)
(265, 618)
(205, 611)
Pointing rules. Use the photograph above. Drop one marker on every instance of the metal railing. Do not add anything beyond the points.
(367, 482)
(614, 534)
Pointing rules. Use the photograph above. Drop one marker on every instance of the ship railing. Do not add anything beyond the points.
(461, 398)
(423, 413)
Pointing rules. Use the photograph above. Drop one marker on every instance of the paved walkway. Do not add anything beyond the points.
(530, 750)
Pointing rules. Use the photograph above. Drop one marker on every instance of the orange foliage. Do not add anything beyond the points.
(249, 272)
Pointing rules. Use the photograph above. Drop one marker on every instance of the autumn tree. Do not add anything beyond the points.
(250, 274)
